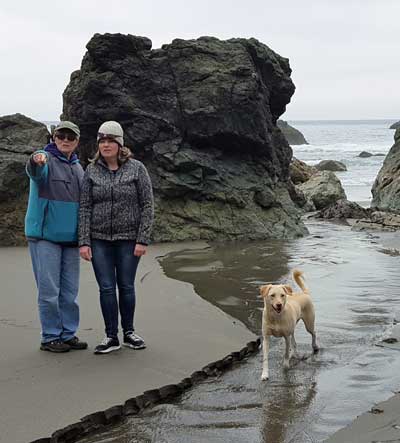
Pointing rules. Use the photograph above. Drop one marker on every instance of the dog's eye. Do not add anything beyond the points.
(272, 295)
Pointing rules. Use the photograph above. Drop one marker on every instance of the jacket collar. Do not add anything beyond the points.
(52, 149)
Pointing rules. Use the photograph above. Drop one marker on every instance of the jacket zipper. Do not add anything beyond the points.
(112, 200)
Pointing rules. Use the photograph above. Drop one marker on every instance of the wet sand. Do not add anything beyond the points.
(354, 283)
(42, 392)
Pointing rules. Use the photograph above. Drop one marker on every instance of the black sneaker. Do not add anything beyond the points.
(134, 341)
(55, 346)
(75, 343)
(109, 344)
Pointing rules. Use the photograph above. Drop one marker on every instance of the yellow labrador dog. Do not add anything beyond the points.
(283, 308)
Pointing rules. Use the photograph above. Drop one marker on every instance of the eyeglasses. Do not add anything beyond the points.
(63, 136)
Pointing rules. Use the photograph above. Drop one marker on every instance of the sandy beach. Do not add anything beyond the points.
(42, 392)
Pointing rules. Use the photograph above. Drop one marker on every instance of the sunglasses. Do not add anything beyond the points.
(106, 136)
(63, 136)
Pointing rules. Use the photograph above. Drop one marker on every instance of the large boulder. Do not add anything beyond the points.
(19, 137)
(323, 189)
(201, 114)
(331, 165)
(292, 135)
(386, 188)
(300, 171)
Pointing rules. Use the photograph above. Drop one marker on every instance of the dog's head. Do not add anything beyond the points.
(275, 296)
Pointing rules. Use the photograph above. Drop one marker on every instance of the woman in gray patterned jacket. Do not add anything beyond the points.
(115, 220)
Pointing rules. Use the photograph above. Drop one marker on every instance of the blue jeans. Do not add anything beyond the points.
(56, 270)
(115, 265)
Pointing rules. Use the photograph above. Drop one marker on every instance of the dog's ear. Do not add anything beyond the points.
(288, 289)
(264, 290)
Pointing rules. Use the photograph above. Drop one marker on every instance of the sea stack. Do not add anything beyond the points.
(201, 114)
(292, 135)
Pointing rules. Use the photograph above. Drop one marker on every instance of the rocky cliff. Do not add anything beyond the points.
(201, 114)
(19, 137)
(386, 189)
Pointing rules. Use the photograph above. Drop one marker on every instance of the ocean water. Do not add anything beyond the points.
(343, 140)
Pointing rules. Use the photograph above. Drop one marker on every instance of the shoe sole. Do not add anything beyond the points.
(60, 351)
(127, 345)
(78, 349)
(107, 351)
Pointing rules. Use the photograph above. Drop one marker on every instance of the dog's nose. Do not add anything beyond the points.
(279, 305)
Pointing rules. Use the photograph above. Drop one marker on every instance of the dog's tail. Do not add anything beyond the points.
(299, 279)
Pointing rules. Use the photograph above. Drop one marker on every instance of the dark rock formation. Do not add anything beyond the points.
(292, 135)
(386, 188)
(331, 165)
(323, 189)
(300, 172)
(395, 125)
(19, 137)
(201, 114)
(359, 218)
(378, 221)
(343, 209)
(365, 154)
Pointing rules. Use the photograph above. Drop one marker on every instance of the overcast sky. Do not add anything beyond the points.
(344, 53)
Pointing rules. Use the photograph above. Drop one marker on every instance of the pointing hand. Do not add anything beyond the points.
(40, 159)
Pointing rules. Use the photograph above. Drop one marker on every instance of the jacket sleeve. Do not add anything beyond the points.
(146, 202)
(85, 210)
(35, 172)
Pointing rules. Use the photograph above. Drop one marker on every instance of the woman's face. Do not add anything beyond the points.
(108, 149)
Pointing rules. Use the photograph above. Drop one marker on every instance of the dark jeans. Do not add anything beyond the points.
(114, 264)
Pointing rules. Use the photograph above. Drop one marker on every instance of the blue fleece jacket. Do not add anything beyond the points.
(54, 191)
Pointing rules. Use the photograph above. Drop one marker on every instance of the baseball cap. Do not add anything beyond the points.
(68, 125)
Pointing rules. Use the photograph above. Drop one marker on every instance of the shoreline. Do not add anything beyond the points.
(36, 401)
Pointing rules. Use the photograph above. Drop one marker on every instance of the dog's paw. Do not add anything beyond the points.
(264, 377)
(316, 349)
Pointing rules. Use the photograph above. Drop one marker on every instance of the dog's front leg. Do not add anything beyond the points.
(265, 371)
(287, 352)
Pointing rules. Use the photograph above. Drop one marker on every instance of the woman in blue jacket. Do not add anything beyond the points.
(51, 224)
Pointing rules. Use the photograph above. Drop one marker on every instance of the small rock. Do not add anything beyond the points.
(364, 154)
(331, 165)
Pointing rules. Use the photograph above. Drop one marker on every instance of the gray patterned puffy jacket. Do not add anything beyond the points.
(116, 205)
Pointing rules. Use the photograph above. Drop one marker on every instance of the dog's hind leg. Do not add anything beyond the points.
(293, 347)
(287, 352)
(265, 370)
(311, 329)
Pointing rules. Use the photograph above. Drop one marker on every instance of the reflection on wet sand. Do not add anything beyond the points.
(228, 275)
(354, 286)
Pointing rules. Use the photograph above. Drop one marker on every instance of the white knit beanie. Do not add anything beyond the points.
(112, 130)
